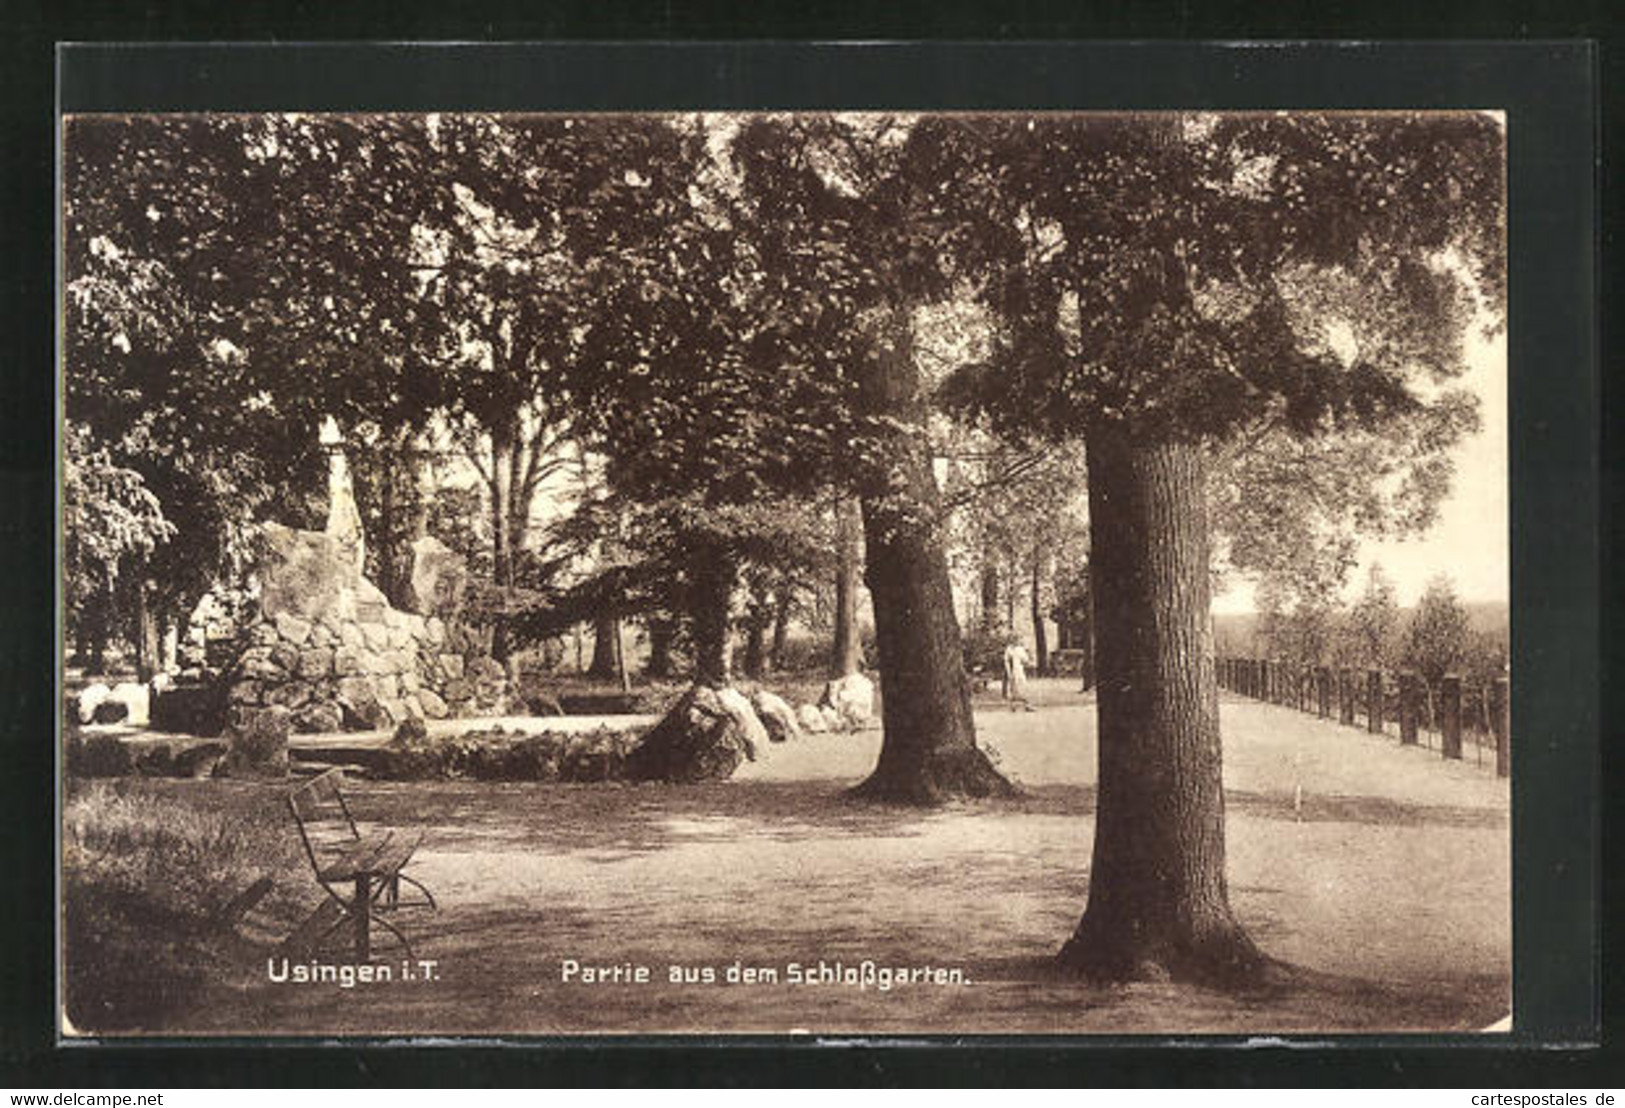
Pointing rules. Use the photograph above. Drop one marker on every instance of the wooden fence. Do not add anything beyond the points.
(1401, 704)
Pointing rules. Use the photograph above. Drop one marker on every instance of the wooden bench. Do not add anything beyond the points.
(361, 875)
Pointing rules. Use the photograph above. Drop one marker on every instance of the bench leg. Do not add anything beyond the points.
(361, 910)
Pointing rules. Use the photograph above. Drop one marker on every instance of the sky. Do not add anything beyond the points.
(1471, 538)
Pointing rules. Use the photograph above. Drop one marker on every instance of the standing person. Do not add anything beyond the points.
(1016, 661)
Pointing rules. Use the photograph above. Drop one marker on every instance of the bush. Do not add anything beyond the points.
(145, 877)
(498, 755)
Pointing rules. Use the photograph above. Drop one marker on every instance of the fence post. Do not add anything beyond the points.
(1501, 725)
(1323, 691)
(1373, 699)
(1450, 716)
(1409, 702)
(1345, 697)
(1264, 678)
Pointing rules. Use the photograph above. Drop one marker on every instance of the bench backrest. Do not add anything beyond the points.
(323, 817)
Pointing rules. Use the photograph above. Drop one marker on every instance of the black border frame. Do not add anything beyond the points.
(1549, 91)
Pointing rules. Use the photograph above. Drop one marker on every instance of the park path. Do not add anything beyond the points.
(1381, 872)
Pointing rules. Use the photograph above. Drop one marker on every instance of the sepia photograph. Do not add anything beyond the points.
(784, 573)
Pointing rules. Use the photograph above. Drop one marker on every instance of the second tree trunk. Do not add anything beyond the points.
(1158, 900)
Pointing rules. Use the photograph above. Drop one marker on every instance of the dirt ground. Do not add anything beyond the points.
(1380, 875)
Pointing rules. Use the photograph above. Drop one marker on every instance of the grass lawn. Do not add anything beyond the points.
(1381, 875)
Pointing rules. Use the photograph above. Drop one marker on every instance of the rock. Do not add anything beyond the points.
(701, 738)
(363, 714)
(350, 636)
(154, 760)
(110, 711)
(416, 626)
(438, 580)
(401, 661)
(811, 719)
(735, 704)
(433, 706)
(452, 665)
(434, 630)
(263, 634)
(292, 695)
(395, 709)
(386, 686)
(457, 690)
(137, 701)
(199, 761)
(832, 719)
(260, 748)
(410, 732)
(285, 656)
(377, 636)
(778, 718)
(409, 681)
(316, 662)
(321, 718)
(346, 661)
(244, 692)
(852, 697)
(320, 635)
(292, 629)
(90, 699)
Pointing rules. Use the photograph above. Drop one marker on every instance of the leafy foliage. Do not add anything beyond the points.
(1437, 637)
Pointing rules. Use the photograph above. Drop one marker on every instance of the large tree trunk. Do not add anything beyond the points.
(846, 654)
(502, 448)
(755, 642)
(990, 590)
(1158, 902)
(711, 586)
(1040, 635)
(929, 750)
(781, 627)
(661, 633)
(604, 662)
(148, 661)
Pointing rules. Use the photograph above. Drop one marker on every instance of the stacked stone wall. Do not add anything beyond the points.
(328, 647)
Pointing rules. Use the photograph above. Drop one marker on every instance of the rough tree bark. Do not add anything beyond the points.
(148, 660)
(1158, 901)
(502, 447)
(1040, 635)
(661, 633)
(711, 585)
(604, 660)
(928, 752)
(781, 627)
(846, 653)
(990, 590)
(755, 642)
